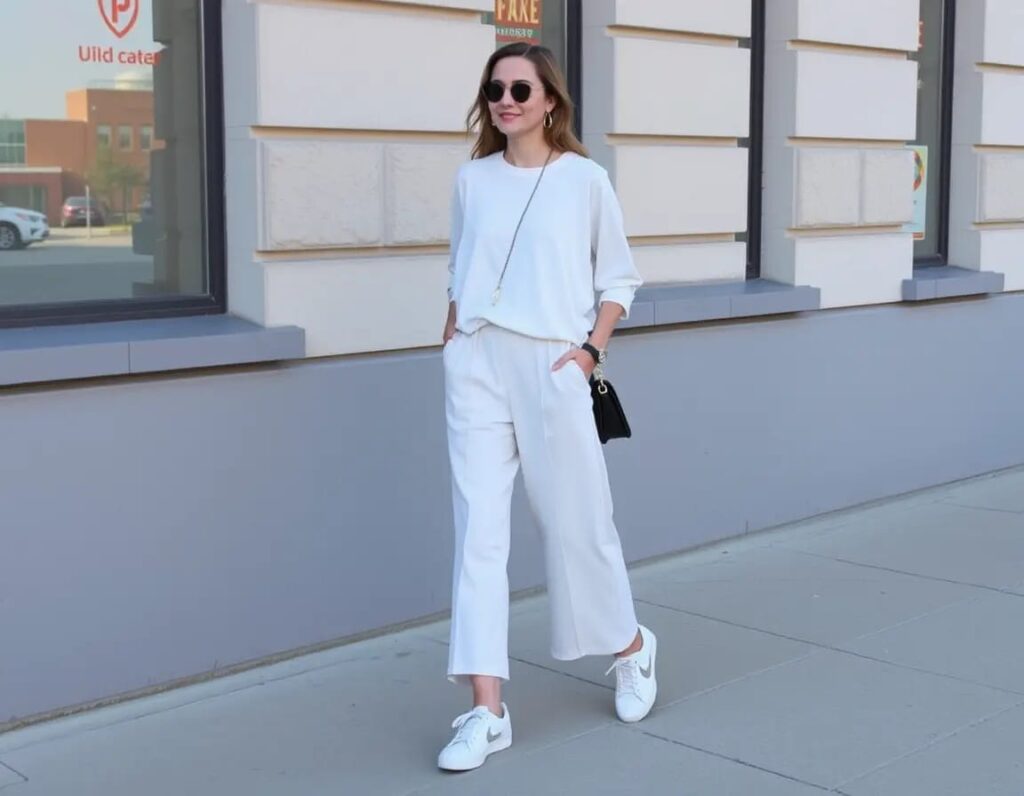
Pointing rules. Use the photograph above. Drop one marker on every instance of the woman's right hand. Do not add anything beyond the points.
(449, 325)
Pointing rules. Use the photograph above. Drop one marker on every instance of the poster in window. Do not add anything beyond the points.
(518, 20)
(917, 224)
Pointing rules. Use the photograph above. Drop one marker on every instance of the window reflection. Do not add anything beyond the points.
(101, 176)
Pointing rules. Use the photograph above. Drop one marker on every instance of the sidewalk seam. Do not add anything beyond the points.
(15, 772)
(911, 574)
(820, 646)
(721, 756)
(980, 508)
(940, 739)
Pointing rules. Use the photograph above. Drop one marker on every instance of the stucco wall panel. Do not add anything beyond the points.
(855, 96)
(1004, 32)
(855, 269)
(1003, 250)
(887, 182)
(1002, 188)
(701, 90)
(721, 17)
(320, 194)
(350, 306)
(1002, 121)
(341, 67)
(418, 185)
(690, 262)
(866, 23)
(678, 190)
(828, 187)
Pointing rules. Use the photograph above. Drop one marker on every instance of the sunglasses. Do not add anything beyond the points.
(520, 90)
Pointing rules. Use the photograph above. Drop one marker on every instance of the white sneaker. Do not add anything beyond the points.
(478, 733)
(636, 686)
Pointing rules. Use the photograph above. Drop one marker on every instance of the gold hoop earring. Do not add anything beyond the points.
(549, 120)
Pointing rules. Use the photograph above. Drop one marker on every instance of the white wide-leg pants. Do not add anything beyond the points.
(505, 407)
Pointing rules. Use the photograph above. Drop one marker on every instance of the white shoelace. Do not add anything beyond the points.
(466, 727)
(627, 672)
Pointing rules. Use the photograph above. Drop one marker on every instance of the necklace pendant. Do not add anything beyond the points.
(496, 295)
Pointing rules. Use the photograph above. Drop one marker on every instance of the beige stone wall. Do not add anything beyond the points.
(345, 125)
(987, 187)
(666, 98)
(840, 106)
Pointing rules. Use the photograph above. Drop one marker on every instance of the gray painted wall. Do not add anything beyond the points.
(157, 528)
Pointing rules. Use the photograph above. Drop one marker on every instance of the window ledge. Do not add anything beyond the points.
(55, 353)
(691, 302)
(948, 281)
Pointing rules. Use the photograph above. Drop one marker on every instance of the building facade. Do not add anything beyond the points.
(224, 433)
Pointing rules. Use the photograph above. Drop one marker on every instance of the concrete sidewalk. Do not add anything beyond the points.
(876, 651)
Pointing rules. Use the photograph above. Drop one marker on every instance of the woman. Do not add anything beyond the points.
(536, 230)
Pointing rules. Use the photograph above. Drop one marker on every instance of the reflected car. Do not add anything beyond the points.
(73, 213)
(19, 227)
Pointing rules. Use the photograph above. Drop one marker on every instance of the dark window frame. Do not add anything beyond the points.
(121, 129)
(215, 300)
(946, 135)
(755, 141)
(574, 59)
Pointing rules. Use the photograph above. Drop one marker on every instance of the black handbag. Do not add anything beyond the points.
(611, 420)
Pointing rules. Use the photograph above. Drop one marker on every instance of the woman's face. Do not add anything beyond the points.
(517, 119)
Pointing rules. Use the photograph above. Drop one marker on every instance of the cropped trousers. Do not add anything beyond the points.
(506, 409)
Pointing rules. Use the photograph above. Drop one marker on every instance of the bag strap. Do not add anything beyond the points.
(497, 291)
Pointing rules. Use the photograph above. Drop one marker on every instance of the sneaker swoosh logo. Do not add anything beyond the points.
(492, 738)
(647, 672)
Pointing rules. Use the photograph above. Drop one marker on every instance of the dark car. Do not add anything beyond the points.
(73, 213)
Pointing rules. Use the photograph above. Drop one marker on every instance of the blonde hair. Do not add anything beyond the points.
(560, 136)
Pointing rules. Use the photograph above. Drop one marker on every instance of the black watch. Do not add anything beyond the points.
(599, 356)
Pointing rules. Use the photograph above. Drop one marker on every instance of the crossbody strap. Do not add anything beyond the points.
(497, 291)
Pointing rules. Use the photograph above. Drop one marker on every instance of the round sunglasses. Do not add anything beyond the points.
(520, 90)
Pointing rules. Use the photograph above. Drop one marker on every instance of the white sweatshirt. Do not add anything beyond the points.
(571, 244)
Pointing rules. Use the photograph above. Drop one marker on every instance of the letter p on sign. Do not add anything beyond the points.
(119, 15)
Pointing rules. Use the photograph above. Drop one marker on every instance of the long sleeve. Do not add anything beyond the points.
(615, 275)
(456, 230)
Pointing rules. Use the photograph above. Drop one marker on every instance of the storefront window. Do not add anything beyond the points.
(104, 115)
(931, 148)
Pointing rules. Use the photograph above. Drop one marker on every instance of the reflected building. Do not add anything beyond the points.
(44, 161)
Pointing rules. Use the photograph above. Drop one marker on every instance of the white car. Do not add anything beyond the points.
(20, 227)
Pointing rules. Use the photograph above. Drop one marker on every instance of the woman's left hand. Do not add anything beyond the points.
(583, 359)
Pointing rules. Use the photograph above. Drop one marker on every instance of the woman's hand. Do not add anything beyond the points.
(449, 325)
(582, 358)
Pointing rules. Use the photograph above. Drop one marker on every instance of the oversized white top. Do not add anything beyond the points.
(571, 245)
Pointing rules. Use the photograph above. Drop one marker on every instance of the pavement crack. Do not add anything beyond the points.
(736, 760)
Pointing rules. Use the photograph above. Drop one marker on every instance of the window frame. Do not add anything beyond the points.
(121, 129)
(215, 300)
(574, 59)
(146, 134)
(109, 143)
(945, 134)
(755, 140)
